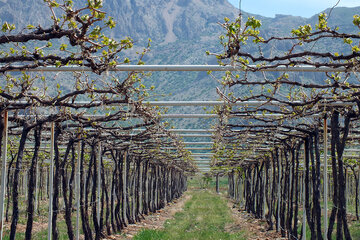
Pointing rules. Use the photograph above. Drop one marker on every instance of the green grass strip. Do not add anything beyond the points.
(204, 216)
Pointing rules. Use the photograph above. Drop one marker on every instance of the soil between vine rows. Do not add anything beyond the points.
(235, 224)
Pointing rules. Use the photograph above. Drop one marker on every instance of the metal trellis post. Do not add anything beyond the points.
(36, 186)
(325, 179)
(51, 184)
(77, 186)
(3, 172)
(264, 197)
(99, 184)
(304, 210)
(124, 185)
(279, 195)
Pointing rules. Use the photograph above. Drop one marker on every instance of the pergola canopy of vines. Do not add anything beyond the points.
(286, 116)
(104, 108)
(97, 110)
(285, 107)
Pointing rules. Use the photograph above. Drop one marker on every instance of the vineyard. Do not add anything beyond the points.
(85, 151)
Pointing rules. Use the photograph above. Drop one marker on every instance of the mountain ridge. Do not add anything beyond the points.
(165, 21)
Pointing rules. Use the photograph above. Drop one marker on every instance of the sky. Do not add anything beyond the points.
(303, 8)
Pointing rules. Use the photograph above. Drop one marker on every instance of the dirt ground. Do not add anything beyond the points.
(38, 226)
(154, 220)
(256, 228)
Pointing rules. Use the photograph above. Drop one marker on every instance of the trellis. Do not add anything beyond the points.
(245, 161)
(284, 141)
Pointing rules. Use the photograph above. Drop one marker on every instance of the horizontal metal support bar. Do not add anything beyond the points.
(188, 148)
(182, 130)
(193, 130)
(189, 115)
(205, 103)
(242, 104)
(352, 150)
(197, 148)
(180, 68)
(204, 115)
(198, 143)
(92, 116)
(231, 116)
(195, 135)
(188, 103)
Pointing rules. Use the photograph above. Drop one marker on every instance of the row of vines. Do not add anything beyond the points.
(275, 147)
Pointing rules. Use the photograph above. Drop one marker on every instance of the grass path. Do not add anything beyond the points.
(205, 216)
